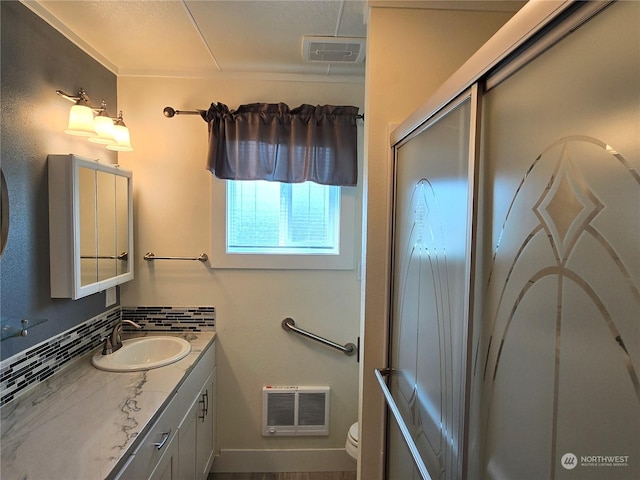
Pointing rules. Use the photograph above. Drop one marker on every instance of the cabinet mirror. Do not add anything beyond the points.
(90, 213)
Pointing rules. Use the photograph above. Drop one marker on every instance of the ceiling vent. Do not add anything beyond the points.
(333, 49)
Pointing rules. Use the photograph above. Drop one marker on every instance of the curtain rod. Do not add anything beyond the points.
(170, 112)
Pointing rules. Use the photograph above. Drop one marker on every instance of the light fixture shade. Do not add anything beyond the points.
(80, 121)
(123, 139)
(103, 126)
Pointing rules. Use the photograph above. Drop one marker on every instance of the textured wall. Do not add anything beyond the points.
(37, 60)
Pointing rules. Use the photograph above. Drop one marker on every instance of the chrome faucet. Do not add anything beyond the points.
(113, 342)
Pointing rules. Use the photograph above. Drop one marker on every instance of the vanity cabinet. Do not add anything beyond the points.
(181, 443)
(90, 226)
(197, 427)
(167, 468)
(205, 429)
(156, 455)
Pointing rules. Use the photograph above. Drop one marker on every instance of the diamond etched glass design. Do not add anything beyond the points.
(566, 207)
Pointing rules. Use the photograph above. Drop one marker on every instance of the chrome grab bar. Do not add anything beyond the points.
(203, 257)
(422, 469)
(289, 324)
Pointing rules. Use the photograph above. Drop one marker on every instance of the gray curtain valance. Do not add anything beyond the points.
(270, 141)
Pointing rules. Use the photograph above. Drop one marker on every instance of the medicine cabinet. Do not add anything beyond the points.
(90, 226)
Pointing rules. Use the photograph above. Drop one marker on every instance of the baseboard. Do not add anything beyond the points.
(299, 460)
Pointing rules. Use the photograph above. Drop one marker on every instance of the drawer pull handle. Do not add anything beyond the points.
(204, 409)
(165, 437)
(204, 400)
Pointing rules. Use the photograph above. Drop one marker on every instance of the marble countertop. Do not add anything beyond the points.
(81, 422)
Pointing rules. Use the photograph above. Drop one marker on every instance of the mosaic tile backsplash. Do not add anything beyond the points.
(172, 319)
(25, 370)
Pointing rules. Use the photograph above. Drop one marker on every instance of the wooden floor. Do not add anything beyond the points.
(284, 476)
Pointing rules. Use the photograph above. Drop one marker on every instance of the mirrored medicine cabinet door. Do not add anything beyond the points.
(91, 234)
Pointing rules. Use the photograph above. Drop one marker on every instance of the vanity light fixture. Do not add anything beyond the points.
(121, 134)
(103, 127)
(95, 123)
(80, 115)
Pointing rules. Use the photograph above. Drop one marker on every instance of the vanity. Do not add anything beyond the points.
(180, 443)
(88, 424)
(64, 417)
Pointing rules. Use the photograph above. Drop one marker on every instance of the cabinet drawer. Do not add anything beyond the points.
(150, 450)
(197, 377)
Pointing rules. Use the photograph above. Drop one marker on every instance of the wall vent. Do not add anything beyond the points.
(295, 410)
(333, 49)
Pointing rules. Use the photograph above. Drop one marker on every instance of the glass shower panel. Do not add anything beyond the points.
(559, 353)
(428, 324)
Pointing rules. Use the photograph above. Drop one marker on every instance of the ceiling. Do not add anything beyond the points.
(196, 38)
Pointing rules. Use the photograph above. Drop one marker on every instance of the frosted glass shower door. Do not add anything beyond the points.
(559, 353)
(430, 290)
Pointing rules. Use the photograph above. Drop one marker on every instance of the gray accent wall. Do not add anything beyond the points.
(36, 61)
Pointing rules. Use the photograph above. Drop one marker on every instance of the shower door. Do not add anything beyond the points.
(430, 291)
(558, 351)
(515, 322)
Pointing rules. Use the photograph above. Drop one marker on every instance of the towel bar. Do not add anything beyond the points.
(203, 257)
(122, 256)
(406, 435)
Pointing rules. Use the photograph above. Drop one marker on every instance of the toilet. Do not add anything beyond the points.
(352, 441)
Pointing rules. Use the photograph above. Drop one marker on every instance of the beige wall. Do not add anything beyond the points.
(173, 218)
(410, 53)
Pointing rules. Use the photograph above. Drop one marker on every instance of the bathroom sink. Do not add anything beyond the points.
(143, 354)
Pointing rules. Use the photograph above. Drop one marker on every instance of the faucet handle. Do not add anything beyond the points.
(108, 348)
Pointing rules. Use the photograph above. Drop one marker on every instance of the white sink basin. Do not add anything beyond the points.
(143, 354)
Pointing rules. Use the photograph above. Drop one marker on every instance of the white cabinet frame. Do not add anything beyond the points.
(64, 227)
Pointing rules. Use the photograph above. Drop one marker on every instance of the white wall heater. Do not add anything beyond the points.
(295, 410)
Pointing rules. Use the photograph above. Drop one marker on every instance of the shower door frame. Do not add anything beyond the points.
(537, 27)
(473, 96)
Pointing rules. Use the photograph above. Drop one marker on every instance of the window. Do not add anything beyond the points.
(260, 224)
(283, 218)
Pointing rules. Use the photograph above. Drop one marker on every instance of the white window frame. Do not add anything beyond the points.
(221, 259)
